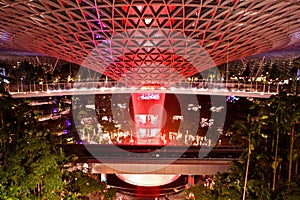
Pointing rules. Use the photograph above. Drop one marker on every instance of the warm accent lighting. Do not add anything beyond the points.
(148, 20)
(148, 179)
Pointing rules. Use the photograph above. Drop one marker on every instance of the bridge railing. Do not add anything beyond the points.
(258, 87)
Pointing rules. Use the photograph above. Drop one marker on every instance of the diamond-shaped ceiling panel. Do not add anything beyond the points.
(149, 41)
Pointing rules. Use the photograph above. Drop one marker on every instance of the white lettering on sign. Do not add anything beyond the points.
(149, 96)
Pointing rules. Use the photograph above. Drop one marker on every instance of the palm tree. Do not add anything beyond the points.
(292, 118)
(275, 108)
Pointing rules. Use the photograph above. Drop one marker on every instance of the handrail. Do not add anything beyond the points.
(263, 87)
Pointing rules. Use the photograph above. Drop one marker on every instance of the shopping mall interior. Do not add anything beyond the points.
(150, 99)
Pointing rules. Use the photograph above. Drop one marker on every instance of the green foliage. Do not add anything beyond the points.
(265, 138)
(35, 166)
(199, 191)
(289, 191)
(31, 163)
(228, 186)
(80, 185)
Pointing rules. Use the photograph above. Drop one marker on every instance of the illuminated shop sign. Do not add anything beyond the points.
(149, 96)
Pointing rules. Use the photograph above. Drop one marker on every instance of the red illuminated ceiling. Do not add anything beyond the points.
(150, 41)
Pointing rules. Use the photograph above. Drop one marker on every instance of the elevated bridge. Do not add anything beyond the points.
(110, 159)
(41, 89)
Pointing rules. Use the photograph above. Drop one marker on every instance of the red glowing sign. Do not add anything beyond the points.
(149, 117)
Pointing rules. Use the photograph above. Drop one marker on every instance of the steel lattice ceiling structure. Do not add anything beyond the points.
(149, 40)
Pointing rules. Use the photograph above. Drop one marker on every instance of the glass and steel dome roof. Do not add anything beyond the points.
(153, 41)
